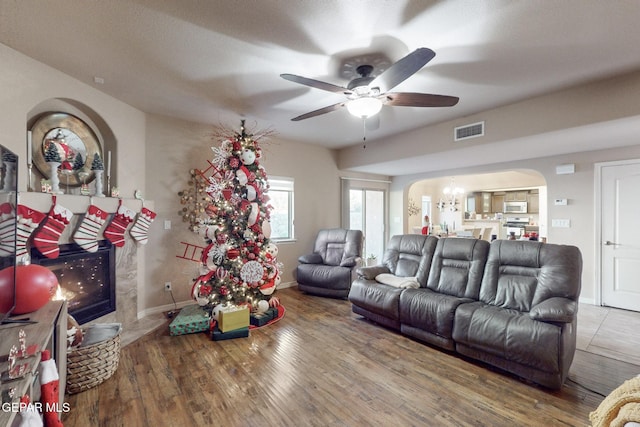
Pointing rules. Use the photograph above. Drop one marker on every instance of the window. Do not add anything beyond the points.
(281, 198)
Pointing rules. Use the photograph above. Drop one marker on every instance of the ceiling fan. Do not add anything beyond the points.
(366, 94)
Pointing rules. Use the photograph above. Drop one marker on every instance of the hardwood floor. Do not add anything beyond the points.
(322, 365)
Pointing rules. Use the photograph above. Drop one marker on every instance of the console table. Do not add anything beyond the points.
(48, 332)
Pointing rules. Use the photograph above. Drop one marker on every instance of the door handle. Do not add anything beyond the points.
(610, 243)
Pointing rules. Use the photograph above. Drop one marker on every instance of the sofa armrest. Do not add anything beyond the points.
(556, 309)
(352, 261)
(370, 273)
(314, 258)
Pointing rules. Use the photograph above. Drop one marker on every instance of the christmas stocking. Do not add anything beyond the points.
(49, 390)
(28, 416)
(47, 236)
(87, 233)
(115, 230)
(7, 229)
(28, 220)
(140, 229)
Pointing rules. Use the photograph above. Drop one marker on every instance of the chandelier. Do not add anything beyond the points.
(450, 197)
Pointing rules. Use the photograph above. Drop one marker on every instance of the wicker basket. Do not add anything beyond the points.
(90, 365)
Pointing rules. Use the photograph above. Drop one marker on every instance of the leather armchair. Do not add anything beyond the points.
(330, 269)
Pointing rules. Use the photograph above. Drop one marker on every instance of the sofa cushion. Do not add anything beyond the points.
(337, 245)
(324, 276)
(522, 274)
(456, 272)
(410, 255)
(375, 297)
(509, 334)
(457, 267)
(429, 311)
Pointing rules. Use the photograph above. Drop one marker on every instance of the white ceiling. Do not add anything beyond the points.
(217, 61)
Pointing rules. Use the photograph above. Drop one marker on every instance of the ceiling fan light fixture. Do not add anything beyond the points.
(364, 107)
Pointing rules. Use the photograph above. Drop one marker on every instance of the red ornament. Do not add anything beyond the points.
(35, 285)
(233, 253)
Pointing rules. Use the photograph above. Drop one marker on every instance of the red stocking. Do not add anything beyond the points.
(118, 225)
(49, 391)
(28, 220)
(47, 236)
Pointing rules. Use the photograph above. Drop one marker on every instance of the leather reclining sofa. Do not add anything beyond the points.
(510, 304)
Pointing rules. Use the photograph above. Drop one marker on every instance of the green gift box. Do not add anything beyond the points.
(191, 319)
(218, 335)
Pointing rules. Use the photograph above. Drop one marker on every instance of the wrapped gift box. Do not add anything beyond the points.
(264, 318)
(232, 318)
(218, 335)
(191, 319)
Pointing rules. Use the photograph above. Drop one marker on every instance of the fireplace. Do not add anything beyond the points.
(87, 279)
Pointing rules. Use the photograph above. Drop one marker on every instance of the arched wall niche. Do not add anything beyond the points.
(88, 115)
(495, 181)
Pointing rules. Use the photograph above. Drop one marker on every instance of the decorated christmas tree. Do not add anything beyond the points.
(228, 206)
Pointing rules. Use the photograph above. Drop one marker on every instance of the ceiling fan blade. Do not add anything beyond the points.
(324, 110)
(411, 99)
(315, 83)
(403, 69)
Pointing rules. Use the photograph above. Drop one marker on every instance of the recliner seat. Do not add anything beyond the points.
(330, 269)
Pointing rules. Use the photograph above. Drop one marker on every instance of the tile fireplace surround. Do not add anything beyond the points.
(128, 280)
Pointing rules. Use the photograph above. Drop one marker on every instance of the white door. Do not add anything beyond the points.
(620, 234)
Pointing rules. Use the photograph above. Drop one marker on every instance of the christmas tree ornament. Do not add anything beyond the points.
(49, 390)
(46, 238)
(87, 233)
(140, 229)
(7, 229)
(118, 225)
(28, 220)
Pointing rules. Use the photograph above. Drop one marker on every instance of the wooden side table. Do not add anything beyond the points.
(48, 332)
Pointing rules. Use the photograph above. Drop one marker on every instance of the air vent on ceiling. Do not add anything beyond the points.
(473, 130)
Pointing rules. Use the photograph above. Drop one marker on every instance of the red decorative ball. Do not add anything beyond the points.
(35, 285)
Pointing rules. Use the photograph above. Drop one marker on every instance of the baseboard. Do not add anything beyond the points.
(287, 285)
(589, 301)
(163, 308)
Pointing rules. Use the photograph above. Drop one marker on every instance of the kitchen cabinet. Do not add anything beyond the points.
(516, 196)
(486, 202)
(480, 203)
(533, 202)
(497, 202)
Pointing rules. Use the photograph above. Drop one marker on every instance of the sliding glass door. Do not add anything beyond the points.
(366, 213)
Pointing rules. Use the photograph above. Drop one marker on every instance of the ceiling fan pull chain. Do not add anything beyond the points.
(364, 133)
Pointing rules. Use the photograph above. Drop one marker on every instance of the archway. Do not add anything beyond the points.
(463, 212)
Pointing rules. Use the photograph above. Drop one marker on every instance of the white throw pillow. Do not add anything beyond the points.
(398, 282)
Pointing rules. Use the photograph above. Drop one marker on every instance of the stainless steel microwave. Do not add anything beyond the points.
(515, 207)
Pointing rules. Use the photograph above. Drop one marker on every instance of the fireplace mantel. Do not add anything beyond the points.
(130, 260)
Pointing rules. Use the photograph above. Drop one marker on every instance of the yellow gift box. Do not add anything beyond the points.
(232, 318)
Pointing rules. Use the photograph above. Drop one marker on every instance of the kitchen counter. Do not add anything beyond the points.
(494, 224)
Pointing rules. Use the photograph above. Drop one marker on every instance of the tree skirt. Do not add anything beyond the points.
(281, 312)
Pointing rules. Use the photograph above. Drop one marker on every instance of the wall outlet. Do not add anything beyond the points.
(167, 286)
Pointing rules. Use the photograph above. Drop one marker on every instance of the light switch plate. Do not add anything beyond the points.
(561, 223)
